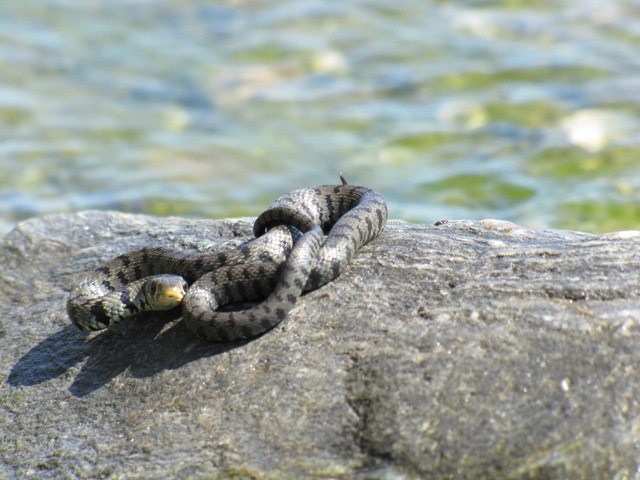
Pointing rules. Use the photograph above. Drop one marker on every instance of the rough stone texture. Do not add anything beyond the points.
(461, 350)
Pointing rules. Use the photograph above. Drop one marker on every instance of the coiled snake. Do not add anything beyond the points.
(289, 255)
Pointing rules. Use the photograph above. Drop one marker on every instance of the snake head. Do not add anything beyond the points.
(164, 292)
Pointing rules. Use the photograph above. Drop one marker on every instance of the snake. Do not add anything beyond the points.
(303, 240)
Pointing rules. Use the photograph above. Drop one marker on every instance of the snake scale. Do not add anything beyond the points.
(303, 240)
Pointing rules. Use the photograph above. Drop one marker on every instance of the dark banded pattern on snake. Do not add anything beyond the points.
(276, 267)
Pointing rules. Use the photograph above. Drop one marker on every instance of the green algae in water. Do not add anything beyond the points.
(476, 191)
(531, 114)
(599, 216)
(422, 142)
(15, 117)
(478, 80)
(571, 162)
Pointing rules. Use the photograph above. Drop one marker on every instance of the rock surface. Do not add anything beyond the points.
(461, 350)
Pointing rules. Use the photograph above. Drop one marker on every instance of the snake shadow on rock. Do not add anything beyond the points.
(139, 346)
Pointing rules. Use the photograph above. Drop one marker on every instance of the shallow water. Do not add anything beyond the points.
(469, 109)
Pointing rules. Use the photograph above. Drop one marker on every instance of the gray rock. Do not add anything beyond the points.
(461, 350)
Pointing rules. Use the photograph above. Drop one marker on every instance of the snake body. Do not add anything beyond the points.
(303, 240)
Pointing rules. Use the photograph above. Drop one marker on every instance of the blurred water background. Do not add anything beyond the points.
(524, 111)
